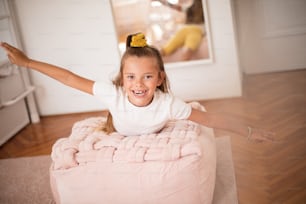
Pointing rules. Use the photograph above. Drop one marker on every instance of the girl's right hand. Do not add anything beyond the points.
(260, 135)
(15, 55)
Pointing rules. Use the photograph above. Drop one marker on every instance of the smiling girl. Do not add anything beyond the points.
(138, 99)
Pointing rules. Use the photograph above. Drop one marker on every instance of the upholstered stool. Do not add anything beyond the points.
(177, 165)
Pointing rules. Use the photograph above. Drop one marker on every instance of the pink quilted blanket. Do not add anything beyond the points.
(85, 144)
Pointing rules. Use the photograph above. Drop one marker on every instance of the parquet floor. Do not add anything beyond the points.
(269, 173)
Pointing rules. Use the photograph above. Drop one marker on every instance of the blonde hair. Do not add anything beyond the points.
(145, 51)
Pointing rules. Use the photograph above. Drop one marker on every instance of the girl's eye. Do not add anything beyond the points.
(130, 77)
(148, 77)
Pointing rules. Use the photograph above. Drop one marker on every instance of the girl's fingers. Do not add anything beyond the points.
(3, 45)
(269, 136)
(7, 47)
(263, 136)
(15, 55)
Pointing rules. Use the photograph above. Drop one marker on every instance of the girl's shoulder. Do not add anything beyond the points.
(176, 107)
(107, 92)
(167, 97)
(163, 95)
(103, 87)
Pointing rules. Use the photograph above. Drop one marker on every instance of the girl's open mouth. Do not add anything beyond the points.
(139, 93)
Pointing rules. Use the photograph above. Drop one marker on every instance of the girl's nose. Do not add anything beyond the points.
(139, 82)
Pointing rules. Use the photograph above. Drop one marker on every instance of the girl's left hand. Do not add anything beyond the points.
(259, 135)
(15, 55)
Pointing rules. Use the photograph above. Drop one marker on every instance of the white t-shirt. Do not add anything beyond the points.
(129, 119)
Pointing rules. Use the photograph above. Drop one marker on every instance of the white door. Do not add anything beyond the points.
(271, 34)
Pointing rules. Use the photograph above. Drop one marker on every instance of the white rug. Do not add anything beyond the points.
(225, 189)
(26, 180)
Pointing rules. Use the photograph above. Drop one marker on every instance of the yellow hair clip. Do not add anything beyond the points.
(138, 40)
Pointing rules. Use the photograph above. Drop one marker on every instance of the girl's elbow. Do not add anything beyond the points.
(202, 118)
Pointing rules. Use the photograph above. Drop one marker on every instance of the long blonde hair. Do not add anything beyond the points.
(145, 51)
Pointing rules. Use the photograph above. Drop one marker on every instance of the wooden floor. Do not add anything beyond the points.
(270, 173)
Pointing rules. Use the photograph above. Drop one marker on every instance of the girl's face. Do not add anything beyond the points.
(141, 76)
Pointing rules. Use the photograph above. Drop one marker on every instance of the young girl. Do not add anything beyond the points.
(138, 100)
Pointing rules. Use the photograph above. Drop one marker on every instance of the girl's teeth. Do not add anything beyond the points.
(139, 92)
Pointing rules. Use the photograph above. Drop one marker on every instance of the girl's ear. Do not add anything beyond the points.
(161, 78)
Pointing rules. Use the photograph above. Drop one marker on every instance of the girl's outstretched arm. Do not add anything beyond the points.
(223, 122)
(62, 75)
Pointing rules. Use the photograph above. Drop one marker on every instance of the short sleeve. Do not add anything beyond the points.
(106, 92)
(179, 110)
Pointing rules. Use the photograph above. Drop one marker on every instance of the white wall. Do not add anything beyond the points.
(272, 35)
(80, 35)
